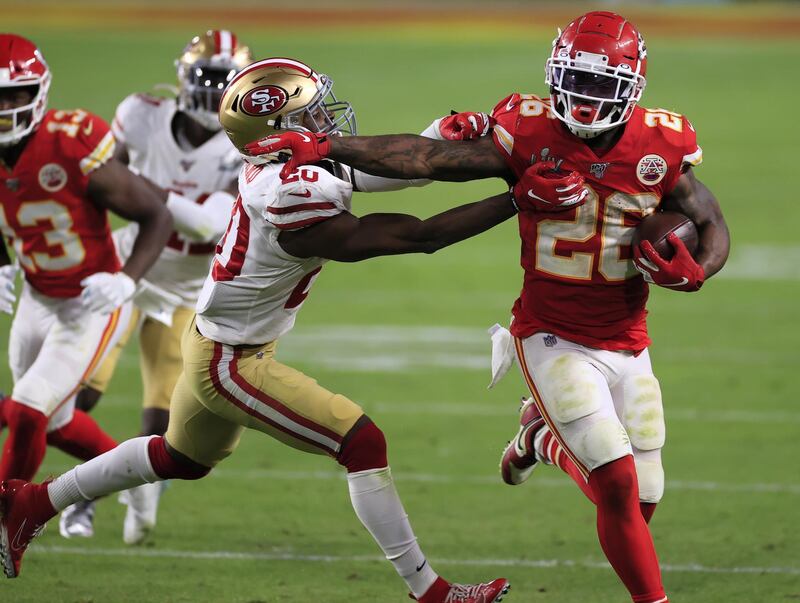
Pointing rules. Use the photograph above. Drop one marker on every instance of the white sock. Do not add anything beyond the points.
(378, 506)
(124, 467)
(537, 445)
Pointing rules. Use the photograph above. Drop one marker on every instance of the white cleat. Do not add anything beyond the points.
(77, 521)
(140, 519)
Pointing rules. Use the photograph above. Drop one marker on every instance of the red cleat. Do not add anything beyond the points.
(442, 591)
(25, 508)
(519, 457)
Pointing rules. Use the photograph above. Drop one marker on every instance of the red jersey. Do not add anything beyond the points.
(59, 236)
(580, 282)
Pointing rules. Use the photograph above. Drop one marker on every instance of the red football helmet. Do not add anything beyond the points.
(596, 73)
(22, 66)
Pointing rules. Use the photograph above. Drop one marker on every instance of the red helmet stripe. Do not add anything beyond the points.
(217, 41)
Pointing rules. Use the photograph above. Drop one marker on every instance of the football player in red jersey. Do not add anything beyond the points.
(57, 181)
(595, 164)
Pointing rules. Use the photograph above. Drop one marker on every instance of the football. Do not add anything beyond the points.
(657, 226)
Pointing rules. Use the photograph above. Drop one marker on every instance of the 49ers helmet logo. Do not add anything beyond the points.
(264, 100)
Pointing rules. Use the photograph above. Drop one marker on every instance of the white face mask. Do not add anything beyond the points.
(590, 96)
(24, 119)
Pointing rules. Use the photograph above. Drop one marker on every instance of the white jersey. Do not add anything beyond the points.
(255, 288)
(144, 124)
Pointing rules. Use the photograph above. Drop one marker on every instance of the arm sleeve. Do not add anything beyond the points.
(316, 195)
(201, 222)
(367, 183)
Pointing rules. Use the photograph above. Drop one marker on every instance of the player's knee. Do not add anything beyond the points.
(615, 483)
(364, 447)
(570, 388)
(24, 421)
(168, 463)
(650, 474)
(87, 398)
(604, 440)
(644, 412)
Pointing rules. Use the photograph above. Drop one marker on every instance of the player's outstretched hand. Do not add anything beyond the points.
(681, 273)
(305, 147)
(465, 126)
(104, 292)
(543, 188)
(8, 274)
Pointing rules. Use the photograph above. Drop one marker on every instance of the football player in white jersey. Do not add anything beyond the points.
(281, 232)
(178, 145)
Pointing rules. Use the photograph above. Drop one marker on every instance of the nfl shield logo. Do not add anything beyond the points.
(598, 170)
(550, 340)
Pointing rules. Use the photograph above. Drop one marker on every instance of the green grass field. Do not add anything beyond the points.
(405, 337)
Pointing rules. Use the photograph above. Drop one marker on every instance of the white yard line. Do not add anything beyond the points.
(508, 410)
(763, 262)
(494, 480)
(696, 568)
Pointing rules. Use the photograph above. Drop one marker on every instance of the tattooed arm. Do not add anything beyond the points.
(409, 156)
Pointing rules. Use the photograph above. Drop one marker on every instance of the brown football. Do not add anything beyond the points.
(657, 226)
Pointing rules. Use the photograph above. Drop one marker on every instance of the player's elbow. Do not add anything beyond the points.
(432, 245)
(157, 218)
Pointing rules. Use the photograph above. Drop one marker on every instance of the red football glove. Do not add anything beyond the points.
(541, 188)
(306, 147)
(465, 126)
(681, 273)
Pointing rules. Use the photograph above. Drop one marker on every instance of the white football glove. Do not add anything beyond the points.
(8, 276)
(104, 292)
(159, 304)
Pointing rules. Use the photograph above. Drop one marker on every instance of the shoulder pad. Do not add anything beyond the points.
(309, 195)
(84, 137)
(130, 124)
(677, 132)
(506, 114)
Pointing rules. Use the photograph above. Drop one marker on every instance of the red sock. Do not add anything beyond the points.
(3, 421)
(81, 437)
(623, 532)
(555, 454)
(24, 448)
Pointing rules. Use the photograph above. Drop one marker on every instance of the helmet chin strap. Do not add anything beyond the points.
(587, 133)
(584, 133)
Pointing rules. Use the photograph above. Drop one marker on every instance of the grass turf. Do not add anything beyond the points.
(725, 357)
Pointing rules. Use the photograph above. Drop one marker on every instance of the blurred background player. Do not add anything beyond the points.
(178, 145)
(593, 164)
(281, 232)
(57, 181)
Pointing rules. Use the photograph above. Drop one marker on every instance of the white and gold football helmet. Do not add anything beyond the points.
(207, 64)
(281, 94)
